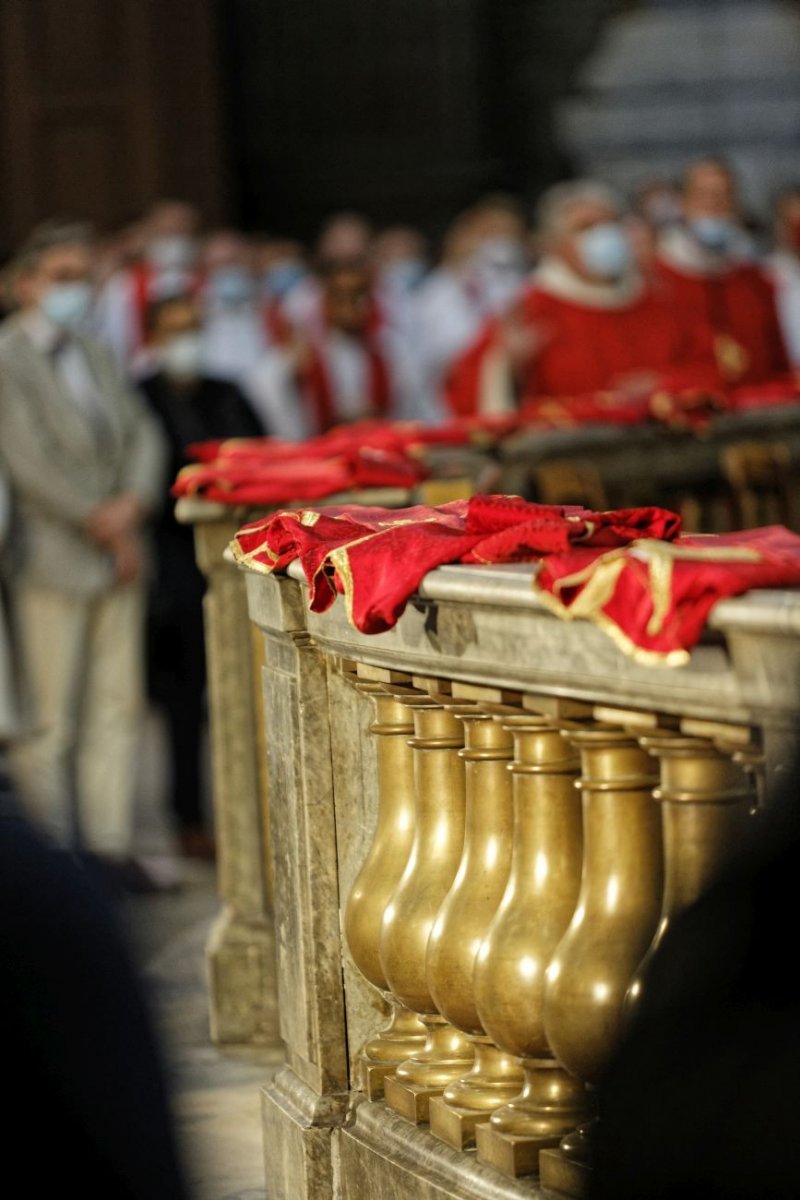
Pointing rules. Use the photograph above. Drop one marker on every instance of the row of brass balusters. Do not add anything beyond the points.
(528, 855)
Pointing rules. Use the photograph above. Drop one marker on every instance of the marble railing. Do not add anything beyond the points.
(241, 949)
(482, 822)
(656, 464)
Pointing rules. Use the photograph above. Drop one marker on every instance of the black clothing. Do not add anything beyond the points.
(206, 410)
(703, 1095)
(79, 1048)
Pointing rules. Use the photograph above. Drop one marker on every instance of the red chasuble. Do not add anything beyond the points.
(653, 598)
(377, 557)
(591, 349)
(628, 571)
(261, 480)
(737, 308)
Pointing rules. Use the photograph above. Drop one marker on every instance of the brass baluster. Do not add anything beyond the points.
(533, 916)
(461, 925)
(616, 915)
(707, 803)
(411, 912)
(379, 876)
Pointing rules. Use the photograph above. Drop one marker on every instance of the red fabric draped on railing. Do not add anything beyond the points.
(629, 571)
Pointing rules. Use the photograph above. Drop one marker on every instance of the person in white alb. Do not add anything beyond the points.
(307, 384)
(167, 267)
(235, 317)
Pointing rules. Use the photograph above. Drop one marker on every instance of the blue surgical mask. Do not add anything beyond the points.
(281, 278)
(231, 285)
(404, 274)
(66, 305)
(714, 233)
(605, 250)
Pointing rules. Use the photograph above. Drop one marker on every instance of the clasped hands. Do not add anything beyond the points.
(114, 524)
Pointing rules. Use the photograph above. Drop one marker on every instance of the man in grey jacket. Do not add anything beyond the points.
(86, 464)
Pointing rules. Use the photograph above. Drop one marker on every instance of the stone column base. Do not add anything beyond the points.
(298, 1127)
(242, 981)
(381, 1154)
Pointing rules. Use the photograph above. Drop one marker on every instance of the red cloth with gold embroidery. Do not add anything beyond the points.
(261, 480)
(366, 454)
(377, 557)
(653, 597)
(628, 571)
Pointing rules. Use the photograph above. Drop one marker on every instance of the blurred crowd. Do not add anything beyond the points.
(118, 351)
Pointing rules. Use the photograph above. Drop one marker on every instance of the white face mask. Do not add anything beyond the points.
(181, 356)
(171, 252)
(67, 305)
(605, 250)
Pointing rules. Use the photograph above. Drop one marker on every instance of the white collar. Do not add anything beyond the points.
(556, 278)
(784, 262)
(677, 248)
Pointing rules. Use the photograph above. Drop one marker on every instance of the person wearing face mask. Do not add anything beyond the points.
(308, 384)
(586, 322)
(784, 268)
(235, 325)
(399, 266)
(168, 266)
(190, 406)
(704, 267)
(85, 460)
(464, 291)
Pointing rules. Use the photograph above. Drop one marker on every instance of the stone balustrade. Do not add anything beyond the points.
(482, 821)
(241, 949)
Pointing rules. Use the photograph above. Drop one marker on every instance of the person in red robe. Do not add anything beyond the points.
(586, 323)
(706, 267)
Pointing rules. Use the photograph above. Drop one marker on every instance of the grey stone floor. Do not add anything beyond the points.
(216, 1094)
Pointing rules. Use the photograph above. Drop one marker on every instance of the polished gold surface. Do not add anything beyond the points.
(462, 923)
(707, 803)
(568, 1176)
(447, 1053)
(379, 876)
(534, 914)
(618, 905)
(412, 909)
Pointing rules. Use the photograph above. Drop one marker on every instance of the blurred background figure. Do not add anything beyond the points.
(288, 288)
(344, 238)
(10, 714)
(784, 267)
(482, 270)
(86, 464)
(167, 266)
(588, 320)
(189, 406)
(706, 268)
(235, 329)
(658, 202)
(399, 266)
(315, 381)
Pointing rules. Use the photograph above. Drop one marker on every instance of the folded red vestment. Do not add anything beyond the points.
(257, 481)
(377, 557)
(653, 597)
